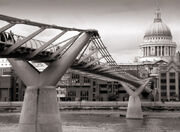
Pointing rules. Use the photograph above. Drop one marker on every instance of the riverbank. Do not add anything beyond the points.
(109, 113)
(87, 105)
(104, 121)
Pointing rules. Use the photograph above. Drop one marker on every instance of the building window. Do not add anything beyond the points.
(172, 93)
(103, 91)
(75, 78)
(86, 80)
(84, 95)
(94, 83)
(103, 85)
(164, 94)
(163, 74)
(163, 80)
(172, 87)
(163, 87)
(17, 90)
(72, 93)
(172, 74)
(172, 81)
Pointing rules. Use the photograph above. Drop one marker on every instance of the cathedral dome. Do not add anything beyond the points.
(157, 43)
(158, 28)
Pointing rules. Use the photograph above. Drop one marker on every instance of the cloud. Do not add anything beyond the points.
(121, 23)
(126, 56)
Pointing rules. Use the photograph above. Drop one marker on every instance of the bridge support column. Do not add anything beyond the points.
(134, 110)
(40, 112)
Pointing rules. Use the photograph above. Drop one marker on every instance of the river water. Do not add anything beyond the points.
(101, 122)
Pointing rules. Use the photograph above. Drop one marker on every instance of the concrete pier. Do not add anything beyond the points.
(134, 109)
(40, 111)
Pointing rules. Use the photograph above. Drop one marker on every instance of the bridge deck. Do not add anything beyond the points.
(30, 49)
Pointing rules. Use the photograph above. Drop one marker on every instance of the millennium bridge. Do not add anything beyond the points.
(68, 49)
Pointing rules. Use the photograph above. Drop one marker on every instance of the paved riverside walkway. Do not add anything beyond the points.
(97, 104)
(149, 108)
(112, 113)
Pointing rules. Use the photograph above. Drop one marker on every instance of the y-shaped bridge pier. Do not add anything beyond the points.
(134, 110)
(40, 111)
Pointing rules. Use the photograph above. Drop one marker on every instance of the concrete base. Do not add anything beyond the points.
(134, 110)
(40, 112)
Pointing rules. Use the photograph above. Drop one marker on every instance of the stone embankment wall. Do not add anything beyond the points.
(87, 105)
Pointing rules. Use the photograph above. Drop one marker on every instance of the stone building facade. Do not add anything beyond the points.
(169, 81)
(79, 87)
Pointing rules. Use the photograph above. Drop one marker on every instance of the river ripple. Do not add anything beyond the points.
(99, 122)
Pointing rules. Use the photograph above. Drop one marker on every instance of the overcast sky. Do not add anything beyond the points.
(121, 23)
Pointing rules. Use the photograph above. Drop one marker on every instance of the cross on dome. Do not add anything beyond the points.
(157, 16)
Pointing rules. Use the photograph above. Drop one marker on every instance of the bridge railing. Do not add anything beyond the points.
(35, 44)
(9, 38)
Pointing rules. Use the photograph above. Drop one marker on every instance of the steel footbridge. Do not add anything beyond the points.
(27, 48)
(81, 50)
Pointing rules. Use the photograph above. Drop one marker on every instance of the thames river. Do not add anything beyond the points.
(103, 122)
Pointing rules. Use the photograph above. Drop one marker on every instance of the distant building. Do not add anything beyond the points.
(6, 88)
(18, 88)
(160, 59)
(11, 87)
(158, 44)
(169, 81)
(80, 87)
(6, 83)
(72, 86)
